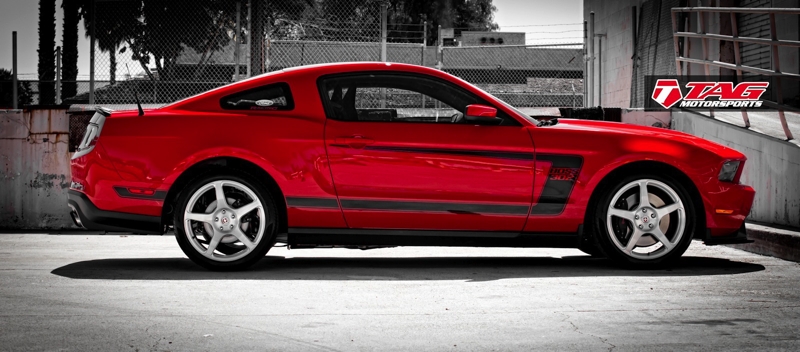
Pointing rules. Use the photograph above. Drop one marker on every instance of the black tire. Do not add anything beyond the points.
(607, 245)
(261, 248)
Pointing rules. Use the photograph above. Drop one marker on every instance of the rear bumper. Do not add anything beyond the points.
(87, 215)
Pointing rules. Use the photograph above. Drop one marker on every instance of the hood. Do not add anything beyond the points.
(618, 128)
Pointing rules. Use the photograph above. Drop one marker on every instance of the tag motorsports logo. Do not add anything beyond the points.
(667, 93)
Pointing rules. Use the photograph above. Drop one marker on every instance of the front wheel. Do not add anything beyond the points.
(645, 221)
(225, 222)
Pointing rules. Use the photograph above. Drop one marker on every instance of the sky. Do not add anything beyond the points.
(544, 21)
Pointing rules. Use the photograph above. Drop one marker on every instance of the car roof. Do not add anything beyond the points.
(314, 70)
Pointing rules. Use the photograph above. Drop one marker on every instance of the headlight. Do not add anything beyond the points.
(728, 170)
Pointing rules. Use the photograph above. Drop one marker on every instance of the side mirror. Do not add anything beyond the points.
(482, 115)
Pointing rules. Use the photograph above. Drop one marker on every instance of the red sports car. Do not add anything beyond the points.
(367, 155)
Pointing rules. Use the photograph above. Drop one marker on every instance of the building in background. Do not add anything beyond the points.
(633, 39)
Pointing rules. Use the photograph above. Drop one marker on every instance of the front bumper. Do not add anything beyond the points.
(727, 207)
(740, 236)
(87, 215)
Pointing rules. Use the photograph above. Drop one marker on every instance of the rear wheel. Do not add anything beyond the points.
(225, 222)
(645, 221)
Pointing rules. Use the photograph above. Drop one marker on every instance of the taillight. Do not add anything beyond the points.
(92, 133)
(90, 137)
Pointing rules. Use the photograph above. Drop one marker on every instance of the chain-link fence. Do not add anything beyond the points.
(169, 50)
(30, 92)
(522, 75)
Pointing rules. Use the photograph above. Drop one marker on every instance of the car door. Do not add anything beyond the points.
(402, 156)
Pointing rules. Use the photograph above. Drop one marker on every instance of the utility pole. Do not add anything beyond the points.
(15, 93)
(91, 53)
(58, 75)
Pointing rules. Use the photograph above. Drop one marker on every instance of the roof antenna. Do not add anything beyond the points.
(135, 91)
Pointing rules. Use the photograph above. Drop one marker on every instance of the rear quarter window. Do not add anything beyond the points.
(271, 97)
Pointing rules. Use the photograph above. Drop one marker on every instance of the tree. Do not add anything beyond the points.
(24, 93)
(116, 22)
(477, 15)
(47, 44)
(69, 45)
(160, 36)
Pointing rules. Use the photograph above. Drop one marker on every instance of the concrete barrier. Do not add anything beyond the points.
(34, 169)
(779, 243)
(772, 166)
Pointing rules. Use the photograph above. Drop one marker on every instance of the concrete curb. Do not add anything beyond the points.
(779, 243)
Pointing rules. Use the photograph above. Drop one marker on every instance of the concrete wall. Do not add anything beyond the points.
(613, 66)
(642, 117)
(34, 169)
(613, 51)
(772, 166)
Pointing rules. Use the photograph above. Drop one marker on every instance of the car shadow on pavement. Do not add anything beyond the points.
(393, 268)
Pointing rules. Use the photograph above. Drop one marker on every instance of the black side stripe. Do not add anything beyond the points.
(458, 208)
(483, 153)
(309, 202)
(564, 172)
(123, 192)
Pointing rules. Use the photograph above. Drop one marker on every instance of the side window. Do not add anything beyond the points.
(270, 97)
(393, 97)
(401, 105)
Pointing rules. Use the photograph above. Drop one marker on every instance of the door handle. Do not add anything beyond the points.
(357, 142)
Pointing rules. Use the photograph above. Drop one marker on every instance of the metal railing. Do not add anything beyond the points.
(773, 42)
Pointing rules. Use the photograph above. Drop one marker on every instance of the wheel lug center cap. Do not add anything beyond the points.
(225, 220)
(646, 219)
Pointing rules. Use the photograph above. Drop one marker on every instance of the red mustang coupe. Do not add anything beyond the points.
(367, 155)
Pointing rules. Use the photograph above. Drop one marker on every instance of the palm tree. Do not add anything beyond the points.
(116, 23)
(47, 44)
(69, 44)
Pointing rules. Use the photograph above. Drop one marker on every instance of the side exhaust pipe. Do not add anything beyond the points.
(76, 218)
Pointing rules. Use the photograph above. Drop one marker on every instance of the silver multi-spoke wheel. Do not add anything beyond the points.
(225, 220)
(646, 219)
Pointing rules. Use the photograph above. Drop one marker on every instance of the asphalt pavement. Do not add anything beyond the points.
(139, 293)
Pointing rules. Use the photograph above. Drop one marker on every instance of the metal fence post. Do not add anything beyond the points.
(58, 75)
(585, 63)
(383, 31)
(590, 76)
(422, 56)
(15, 93)
(236, 41)
(599, 68)
(424, 42)
(249, 36)
(91, 54)
(439, 46)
